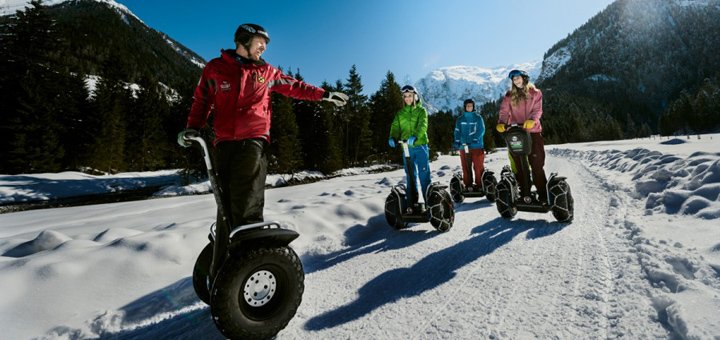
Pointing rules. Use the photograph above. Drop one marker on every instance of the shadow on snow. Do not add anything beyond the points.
(400, 283)
(173, 312)
(376, 236)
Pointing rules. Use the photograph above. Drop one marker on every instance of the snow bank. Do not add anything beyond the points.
(685, 280)
(669, 184)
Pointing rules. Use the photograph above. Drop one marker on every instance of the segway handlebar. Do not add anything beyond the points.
(194, 136)
(508, 127)
(405, 147)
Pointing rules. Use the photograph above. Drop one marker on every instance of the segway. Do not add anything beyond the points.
(406, 205)
(458, 189)
(509, 198)
(250, 277)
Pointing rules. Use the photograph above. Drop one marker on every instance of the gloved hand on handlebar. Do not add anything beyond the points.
(529, 124)
(391, 142)
(181, 137)
(500, 128)
(411, 140)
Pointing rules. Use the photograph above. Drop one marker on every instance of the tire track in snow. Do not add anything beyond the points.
(558, 291)
(488, 277)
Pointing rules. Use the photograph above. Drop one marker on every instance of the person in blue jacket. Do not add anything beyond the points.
(470, 130)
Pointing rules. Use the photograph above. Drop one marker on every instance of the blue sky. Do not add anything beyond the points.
(323, 39)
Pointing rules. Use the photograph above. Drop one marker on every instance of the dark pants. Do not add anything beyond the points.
(537, 164)
(241, 168)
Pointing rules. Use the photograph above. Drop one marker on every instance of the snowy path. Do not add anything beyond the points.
(487, 278)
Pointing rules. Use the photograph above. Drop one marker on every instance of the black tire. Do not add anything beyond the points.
(442, 213)
(201, 273)
(393, 215)
(243, 309)
(490, 184)
(562, 202)
(504, 201)
(456, 190)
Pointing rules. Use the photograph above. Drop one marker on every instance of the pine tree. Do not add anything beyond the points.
(331, 154)
(146, 141)
(358, 131)
(111, 103)
(441, 126)
(285, 147)
(73, 108)
(306, 119)
(490, 111)
(30, 118)
(384, 104)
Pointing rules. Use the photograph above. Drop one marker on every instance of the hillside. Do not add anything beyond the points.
(630, 63)
(47, 56)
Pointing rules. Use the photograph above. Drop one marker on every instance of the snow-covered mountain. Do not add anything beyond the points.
(446, 88)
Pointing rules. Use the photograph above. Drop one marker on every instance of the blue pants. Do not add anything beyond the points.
(420, 159)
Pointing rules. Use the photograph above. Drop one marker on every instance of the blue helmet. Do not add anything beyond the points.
(515, 73)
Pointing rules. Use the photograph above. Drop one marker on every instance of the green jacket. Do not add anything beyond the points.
(411, 120)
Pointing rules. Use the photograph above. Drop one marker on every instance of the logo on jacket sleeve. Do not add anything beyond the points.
(225, 86)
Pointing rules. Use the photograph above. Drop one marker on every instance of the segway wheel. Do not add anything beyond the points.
(393, 214)
(456, 190)
(442, 214)
(490, 184)
(201, 273)
(562, 202)
(257, 292)
(504, 201)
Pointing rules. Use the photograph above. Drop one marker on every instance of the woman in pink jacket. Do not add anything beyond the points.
(522, 105)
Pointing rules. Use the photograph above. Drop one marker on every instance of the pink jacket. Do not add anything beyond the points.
(526, 109)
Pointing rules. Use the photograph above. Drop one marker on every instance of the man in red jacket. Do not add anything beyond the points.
(236, 89)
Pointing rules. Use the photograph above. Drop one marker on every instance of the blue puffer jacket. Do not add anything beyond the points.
(469, 129)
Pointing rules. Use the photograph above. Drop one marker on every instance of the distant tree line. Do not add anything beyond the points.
(693, 112)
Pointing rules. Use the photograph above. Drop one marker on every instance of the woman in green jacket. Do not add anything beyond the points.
(410, 124)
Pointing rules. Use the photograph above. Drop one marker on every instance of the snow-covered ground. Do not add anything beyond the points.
(640, 260)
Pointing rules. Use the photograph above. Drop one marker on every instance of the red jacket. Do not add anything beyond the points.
(238, 91)
(526, 109)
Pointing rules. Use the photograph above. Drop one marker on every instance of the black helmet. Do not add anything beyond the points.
(469, 101)
(245, 32)
(515, 73)
(411, 89)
